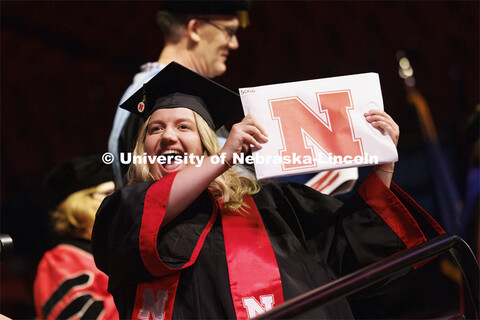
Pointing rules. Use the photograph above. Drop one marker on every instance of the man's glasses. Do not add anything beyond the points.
(231, 31)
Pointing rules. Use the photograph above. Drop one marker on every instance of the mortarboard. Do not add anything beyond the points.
(177, 86)
(77, 174)
(209, 7)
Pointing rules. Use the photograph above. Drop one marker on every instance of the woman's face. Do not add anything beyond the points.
(172, 132)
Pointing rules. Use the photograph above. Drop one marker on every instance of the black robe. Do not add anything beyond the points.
(315, 238)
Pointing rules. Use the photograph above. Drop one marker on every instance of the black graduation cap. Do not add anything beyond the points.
(75, 175)
(208, 7)
(229, 7)
(177, 86)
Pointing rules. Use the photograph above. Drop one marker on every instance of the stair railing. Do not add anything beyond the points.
(386, 268)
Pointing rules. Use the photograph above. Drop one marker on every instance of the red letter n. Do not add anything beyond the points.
(332, 133)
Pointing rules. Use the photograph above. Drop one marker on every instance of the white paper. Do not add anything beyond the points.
(317, 125)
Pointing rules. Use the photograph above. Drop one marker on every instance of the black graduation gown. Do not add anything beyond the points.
(315, 239)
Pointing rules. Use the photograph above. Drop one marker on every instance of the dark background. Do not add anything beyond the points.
(65, 65)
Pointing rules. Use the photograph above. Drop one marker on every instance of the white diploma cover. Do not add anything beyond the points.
(317, 125)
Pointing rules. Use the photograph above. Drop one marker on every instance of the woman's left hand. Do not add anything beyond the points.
(382, 121)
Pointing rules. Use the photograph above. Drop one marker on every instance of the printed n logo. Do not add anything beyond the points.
(332, 132)
(153, 305)
(254, 308)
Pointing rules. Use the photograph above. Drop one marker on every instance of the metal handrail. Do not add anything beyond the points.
(386, 268)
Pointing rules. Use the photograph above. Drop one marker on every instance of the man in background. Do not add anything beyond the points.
(198, 35)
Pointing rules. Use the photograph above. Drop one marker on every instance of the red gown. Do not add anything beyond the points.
(68, 284)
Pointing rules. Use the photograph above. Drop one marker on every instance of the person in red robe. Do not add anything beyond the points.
(67, 283)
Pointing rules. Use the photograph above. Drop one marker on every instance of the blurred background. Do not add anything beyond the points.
(65, 65)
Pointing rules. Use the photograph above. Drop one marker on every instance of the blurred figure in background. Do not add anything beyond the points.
(198, 35)
(67, 282)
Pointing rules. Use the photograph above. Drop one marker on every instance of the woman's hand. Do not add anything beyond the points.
(382, 121)
(192, 180)
(242, 135)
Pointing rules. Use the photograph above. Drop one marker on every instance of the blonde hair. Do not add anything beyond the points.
(230, 187)
(75, 215)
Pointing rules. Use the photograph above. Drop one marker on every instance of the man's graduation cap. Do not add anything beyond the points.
(227, 7)
(176, 86)
(209, 7)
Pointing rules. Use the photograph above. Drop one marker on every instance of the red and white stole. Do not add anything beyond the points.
(252, 267)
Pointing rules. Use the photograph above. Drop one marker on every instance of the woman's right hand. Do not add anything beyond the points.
(247, 132)
(193, 180)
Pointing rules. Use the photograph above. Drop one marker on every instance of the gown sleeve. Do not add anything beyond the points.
(127, 233)
(375, 223)
(68, 284)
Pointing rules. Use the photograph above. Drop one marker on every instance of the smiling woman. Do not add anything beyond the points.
(183, 123)
(85, 63)
(182, 230)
